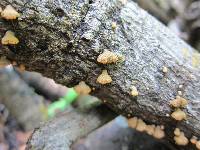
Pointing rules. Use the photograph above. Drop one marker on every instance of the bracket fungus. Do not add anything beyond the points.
(178, 115)
(9, 13)
(178, 102)
(9, 38)
(104, 78)
(107, 57)
(82, 88)
(180, 139)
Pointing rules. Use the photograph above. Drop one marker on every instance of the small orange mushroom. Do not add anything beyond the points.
(178, 102)
(178, 115)
(9, 13)
(132, 122)
(9, 38)
(104, 78)
(150, 129)
(193, 140)
(141, 125)
(158, 132)
(198, 145)
(82, 88)
(107, 57)
(181, 139)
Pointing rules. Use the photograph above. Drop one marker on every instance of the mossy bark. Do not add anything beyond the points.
(62, 40)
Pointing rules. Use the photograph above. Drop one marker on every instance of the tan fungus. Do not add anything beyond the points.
(104, 78)
(82, 88)
(107, 57)
(9, 13)
(178, 115)
(9, 38)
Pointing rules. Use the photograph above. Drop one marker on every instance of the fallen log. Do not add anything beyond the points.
(63, 39)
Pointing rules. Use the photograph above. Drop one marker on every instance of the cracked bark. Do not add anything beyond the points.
(62, 40)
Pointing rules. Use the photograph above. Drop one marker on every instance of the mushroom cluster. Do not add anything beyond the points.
(9, 13)
(178, 103)
(180, 138)
(140, 125)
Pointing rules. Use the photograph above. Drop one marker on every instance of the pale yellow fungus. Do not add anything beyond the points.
(177, 132)
(9, 38)
(150, 129)
(165, 69)
(178, 115)
(181, 139)
(198, 144)
(9, 13)
(193, 140)
(134, 91)
(104, 78)
(107, 57)
(158, 133)
(132, 122)
(82, 88)
(178, 102)
(114, 25)
(141, 125)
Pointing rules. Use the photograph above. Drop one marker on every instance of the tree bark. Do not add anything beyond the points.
(62, 40)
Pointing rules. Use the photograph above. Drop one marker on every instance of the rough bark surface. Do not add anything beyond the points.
(62, 40)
